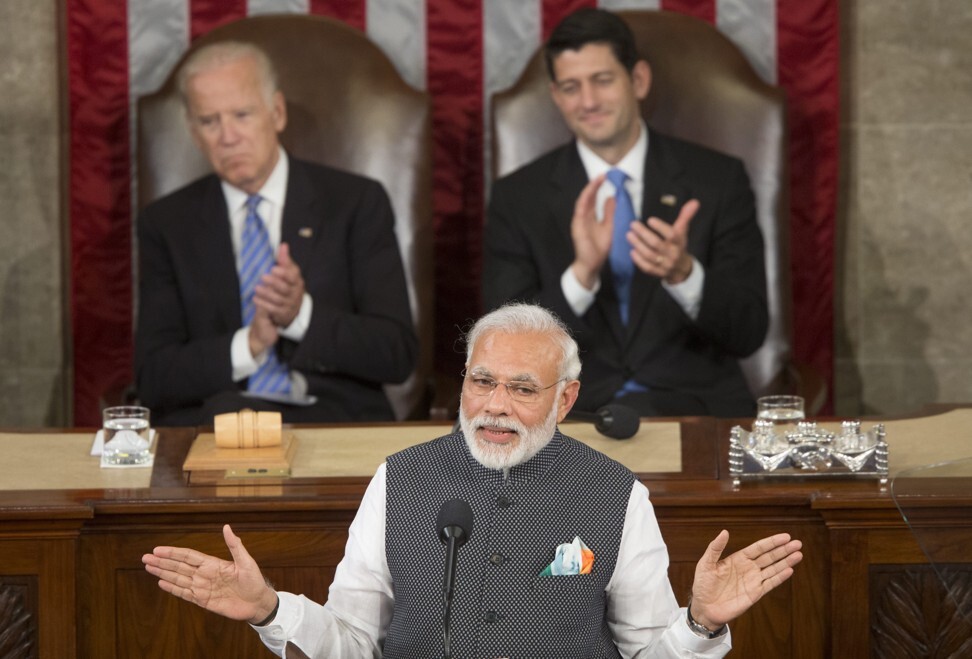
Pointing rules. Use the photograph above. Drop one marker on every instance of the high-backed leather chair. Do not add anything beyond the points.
(703, 90)
(346, 107)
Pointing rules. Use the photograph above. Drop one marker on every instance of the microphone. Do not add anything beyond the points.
(613, 420)
(454, 525)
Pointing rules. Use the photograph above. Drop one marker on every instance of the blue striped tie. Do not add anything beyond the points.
(620, 256)
(256, 259)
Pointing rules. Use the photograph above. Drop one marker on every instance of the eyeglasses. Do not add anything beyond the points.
(521, 392)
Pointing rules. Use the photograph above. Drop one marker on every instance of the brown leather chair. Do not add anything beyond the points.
(347, 107)
(704, 90)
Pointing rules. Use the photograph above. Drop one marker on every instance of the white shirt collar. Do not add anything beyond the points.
(274, 189)
(632, 164)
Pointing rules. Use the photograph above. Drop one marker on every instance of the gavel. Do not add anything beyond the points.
(247, 429)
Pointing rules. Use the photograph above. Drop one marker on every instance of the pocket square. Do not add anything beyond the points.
(571, 558)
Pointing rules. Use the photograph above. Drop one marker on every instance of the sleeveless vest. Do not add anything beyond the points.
(502, 607)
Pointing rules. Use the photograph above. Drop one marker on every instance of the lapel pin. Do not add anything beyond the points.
(305, 232)
(668, 199)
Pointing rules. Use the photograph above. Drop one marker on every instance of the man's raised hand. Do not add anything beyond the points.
(235, 589)
(725, 588)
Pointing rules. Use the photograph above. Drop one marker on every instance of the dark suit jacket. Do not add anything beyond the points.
(340, 229)
(528, 247)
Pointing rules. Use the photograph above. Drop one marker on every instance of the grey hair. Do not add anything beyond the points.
(521, 318)
(225, 52)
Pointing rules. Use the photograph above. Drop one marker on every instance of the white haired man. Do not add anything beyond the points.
(272, 283)
(530, 489)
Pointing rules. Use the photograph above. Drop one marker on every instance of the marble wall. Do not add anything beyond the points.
(904, 262)
(904, 251)
(33, 371)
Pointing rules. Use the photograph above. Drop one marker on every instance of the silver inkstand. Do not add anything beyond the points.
(782, 444)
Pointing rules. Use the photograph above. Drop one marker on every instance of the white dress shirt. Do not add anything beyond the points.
(270, 210)
(642, 613)
(688, 293)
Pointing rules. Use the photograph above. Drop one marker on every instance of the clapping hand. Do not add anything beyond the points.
(281, 290)
(660, 249)
(263, 333)
(591, 237)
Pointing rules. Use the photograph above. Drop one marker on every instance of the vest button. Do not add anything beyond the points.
(497, 559)
(503, 501)
(492, 616)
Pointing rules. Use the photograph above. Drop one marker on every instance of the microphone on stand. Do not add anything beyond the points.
(613, 420)
(454, 525)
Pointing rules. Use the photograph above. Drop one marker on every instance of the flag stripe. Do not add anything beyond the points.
(619, 5)
(259, 7)
(398, 27)
(554, 11)
(808, 38)
(158, 34)
(97, 51)
(512, 36)
(751, 25)
(205, 15)
(455, 65)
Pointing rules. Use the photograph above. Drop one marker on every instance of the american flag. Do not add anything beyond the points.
(460, 51)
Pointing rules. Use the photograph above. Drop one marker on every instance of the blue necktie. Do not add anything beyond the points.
(256, 259)
(620, 256)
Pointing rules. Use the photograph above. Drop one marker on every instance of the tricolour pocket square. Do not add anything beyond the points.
(571, 558)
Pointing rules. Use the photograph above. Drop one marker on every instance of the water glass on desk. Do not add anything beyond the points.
(785, 412)
(126, 430)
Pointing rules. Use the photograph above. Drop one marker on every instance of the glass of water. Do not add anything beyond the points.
(785, 412)
(127, 440)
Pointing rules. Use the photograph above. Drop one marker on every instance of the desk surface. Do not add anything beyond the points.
(703, 456)
(689, 446)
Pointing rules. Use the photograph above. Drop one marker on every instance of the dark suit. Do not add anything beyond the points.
(340, 229)
(690, 366)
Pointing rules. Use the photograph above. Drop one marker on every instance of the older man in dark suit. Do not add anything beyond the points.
(272, 283)
(662, 307)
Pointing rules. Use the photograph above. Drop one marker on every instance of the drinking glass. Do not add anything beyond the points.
(126, 430)
(782, 409)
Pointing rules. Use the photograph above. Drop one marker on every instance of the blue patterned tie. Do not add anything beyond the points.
(256, 259)
(620, 257)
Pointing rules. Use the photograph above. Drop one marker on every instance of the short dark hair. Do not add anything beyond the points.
(586, 26)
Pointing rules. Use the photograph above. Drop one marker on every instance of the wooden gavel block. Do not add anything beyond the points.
(247, 429)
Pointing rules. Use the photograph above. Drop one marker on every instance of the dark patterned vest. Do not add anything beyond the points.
(502, 607)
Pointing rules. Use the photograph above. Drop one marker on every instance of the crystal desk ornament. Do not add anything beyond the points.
(807, 451)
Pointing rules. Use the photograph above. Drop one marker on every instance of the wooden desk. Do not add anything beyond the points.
(72, 583)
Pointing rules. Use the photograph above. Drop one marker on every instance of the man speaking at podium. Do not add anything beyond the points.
(530, 490)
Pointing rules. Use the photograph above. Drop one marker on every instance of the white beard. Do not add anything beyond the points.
(529, 441)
